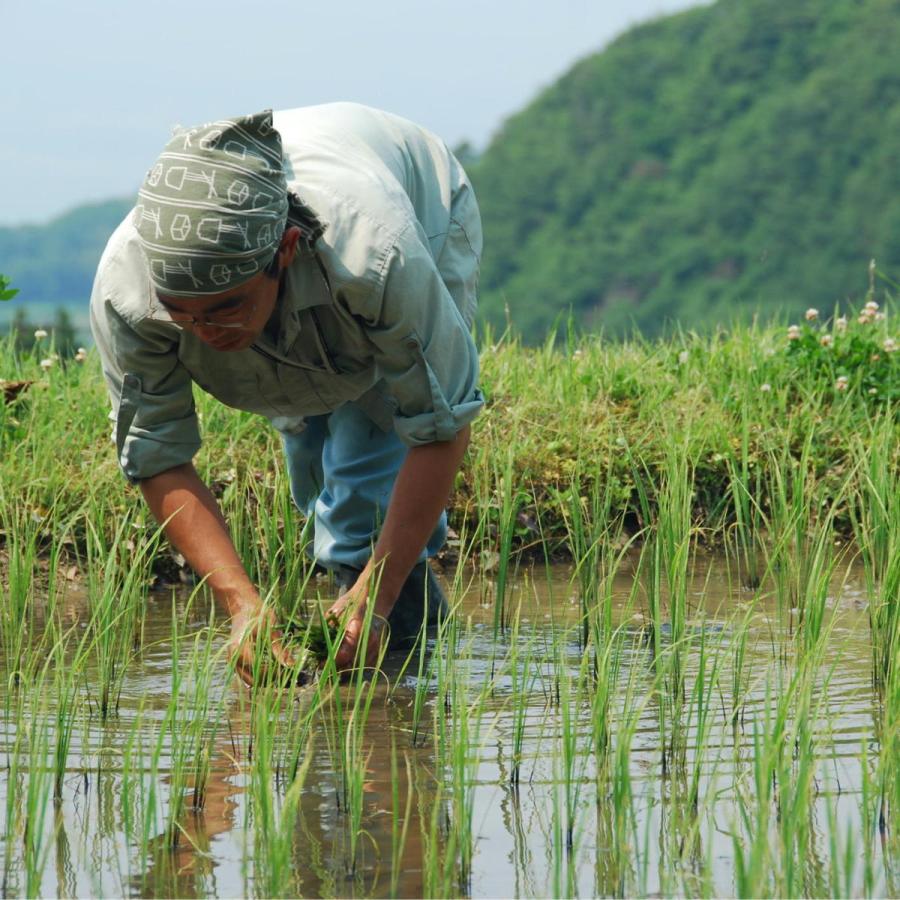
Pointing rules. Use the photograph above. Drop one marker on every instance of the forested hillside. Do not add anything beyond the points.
(55, 263)
(738, 157)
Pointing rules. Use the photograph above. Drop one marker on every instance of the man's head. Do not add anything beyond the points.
(233, 319)
(211, 218)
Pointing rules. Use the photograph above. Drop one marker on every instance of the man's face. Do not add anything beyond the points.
(229, 321)
(234, 319)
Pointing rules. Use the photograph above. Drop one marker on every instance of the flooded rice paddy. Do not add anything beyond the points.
(534, 760)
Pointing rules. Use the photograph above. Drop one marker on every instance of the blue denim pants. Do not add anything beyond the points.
(342, 469)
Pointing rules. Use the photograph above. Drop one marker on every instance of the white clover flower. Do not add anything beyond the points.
(765, 388)
(81, 355)
(842, 383)
(873, 390)
(890, 345)
(812, 315)
(840, 323)
(46, 364)
(826, 340)
(40, 334)
(683, 357)
(872, 306)
(864, 319)
(793, 333)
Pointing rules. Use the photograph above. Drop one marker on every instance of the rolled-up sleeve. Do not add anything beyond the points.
(424, 350)
(153, 417)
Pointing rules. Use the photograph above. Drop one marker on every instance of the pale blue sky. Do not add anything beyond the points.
(91, 90)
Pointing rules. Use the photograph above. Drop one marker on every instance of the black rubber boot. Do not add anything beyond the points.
(420, 597)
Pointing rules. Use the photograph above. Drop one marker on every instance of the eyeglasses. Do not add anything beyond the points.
(236, 318)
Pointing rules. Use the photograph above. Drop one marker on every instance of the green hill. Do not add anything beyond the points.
(735, 158)
(54, 264)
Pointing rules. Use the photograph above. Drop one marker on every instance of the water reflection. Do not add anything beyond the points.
(532, 835)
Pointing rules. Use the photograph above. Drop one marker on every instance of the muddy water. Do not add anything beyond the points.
(517, 844)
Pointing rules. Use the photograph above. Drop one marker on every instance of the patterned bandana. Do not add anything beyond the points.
(212, 210)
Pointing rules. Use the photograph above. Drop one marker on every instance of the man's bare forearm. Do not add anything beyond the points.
(417, 500)
(196, 527)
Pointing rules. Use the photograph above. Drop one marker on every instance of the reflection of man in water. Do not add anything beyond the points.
(318, 267)
(211, 847)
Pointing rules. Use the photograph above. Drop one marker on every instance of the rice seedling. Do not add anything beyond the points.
(36, 801)
(522, 677)
(399, 818)
(459, 738)
(616, 818)
(117, 587)
(274, 816)
(66, 706)
(17, 604)
(573, 755)
(875, 513)
(510, 501)
(595, 538)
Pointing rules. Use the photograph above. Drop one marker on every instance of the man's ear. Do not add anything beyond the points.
(287, 250)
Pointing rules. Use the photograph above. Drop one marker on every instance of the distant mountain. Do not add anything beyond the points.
(736, 157)
(55, 263)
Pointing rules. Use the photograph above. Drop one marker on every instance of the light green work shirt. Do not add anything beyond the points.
(379, 311)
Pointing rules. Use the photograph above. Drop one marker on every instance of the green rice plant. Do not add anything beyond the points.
(138, 794)
(795, 503)
(274, 817)
(17, 588)
(674, 534)
(887, 770)
(399, 817)
(350, 707)
(179, 749)
(440, 877)
(510, 503)
(522, 674)
(36, 801)
(198, 724)
(744, 489)
(117, 579)
(875, 513)
(750, 845)
(702, 710)
(616, 831)
(869, 803)
(66, 706)
(740, 675)
(594, 538)
(563, 875)
(843, 855)
(65, 867)
(770, 856)
(573, 755)
(15, 722)
(461, 740)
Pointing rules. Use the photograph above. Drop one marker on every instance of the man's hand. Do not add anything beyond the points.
(419, 496)
(254, 663)
(196, 527)
(351, 608)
